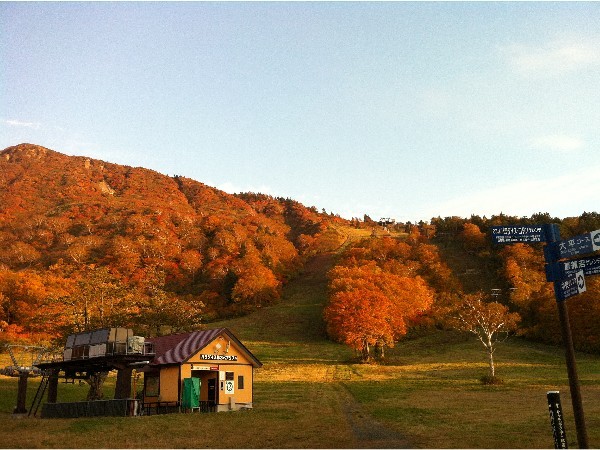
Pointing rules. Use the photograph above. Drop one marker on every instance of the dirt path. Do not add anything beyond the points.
(367, 431)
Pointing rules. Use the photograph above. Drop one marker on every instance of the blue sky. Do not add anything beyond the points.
(395, 109)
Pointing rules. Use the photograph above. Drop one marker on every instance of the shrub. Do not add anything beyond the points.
(491, 380)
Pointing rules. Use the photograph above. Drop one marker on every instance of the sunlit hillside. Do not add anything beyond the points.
(147, 243)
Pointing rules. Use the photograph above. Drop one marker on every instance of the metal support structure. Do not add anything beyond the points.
(53, 386)
(23, 371)
(123, 386)
(12, 355)
(41, 351)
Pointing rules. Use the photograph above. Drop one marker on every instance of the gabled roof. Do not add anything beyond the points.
(178, 348)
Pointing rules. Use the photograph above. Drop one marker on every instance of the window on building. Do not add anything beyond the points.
(229, 376)
(240, 382)
(152, 385)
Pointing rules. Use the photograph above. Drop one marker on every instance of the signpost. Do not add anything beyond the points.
(524, 233)
(578, 245)
(556, 419)
(568, 287)
(569, 280)
(564, 269)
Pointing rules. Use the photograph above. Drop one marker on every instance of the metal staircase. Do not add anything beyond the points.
(39, 395)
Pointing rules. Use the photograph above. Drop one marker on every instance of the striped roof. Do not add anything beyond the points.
(178, 348)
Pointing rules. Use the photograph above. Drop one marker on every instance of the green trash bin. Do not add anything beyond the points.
(191, 393)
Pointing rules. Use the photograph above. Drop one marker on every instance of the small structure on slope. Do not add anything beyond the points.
(207, 370)
(87, 356)
(204, 371)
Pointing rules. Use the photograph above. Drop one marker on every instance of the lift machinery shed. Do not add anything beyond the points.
(89, 353)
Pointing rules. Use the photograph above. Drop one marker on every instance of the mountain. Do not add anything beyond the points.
(86, 243)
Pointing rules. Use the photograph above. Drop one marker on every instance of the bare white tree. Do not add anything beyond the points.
(491, 322)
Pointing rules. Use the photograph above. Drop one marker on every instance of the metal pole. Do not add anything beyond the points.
(565, 328)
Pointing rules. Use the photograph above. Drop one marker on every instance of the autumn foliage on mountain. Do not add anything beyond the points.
(382, 288)
(87, 244)
(518, 273)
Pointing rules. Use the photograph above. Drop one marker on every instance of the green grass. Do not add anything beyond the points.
(292, 414)
(439, 402)
(428, 391)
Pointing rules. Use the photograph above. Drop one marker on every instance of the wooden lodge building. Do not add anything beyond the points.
(208, 370)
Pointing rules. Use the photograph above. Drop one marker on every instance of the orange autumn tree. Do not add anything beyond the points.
(254, 283)
(359, 319)
(21, 294)
(533, 298)
(371, 308)
(472, 237)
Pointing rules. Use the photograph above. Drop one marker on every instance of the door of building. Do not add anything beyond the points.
(213, 391)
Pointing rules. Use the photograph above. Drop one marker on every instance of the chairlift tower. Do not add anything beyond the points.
(20, 355)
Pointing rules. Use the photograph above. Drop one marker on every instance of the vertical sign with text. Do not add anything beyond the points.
(556, 419)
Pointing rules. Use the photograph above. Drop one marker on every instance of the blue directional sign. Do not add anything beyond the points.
(570, 286)
(578, 245)
(508, 234)
(563, 269)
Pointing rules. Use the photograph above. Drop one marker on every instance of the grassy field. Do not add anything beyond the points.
(428, 393)
(311, 394)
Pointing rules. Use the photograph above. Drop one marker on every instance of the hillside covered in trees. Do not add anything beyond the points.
(85, 243)
(515, 274)
(383, 288)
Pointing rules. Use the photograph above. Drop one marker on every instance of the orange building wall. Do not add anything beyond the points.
(240, 395)
(169, 384)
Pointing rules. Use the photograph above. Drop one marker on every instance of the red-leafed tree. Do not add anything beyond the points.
(360, 319)
(372, 307)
